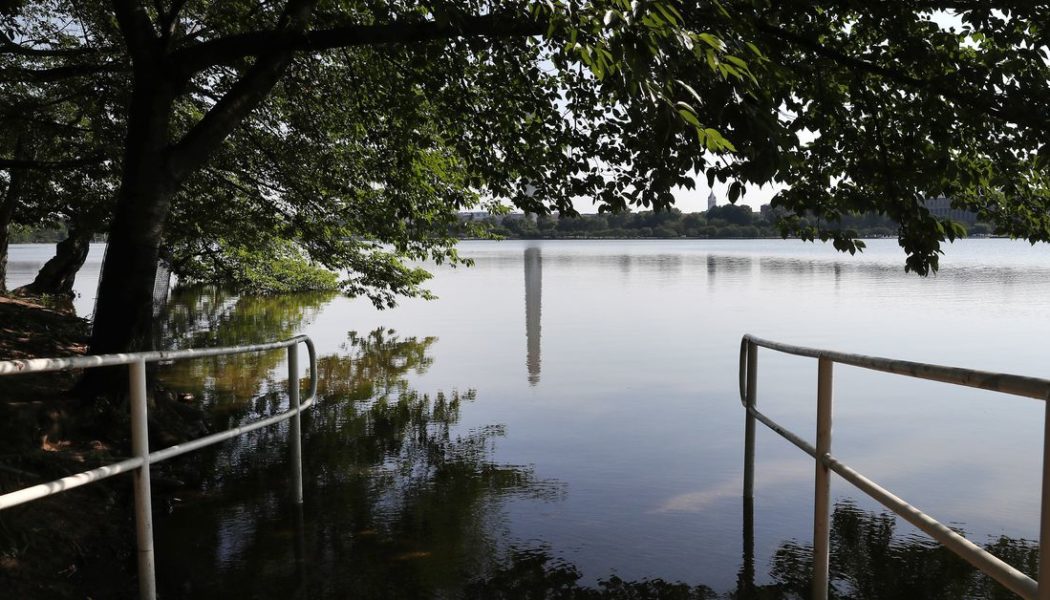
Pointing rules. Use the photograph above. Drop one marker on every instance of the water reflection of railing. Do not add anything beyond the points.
(143, 459)
(1030, 387)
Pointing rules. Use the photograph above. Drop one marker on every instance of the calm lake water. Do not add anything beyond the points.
(566, 416)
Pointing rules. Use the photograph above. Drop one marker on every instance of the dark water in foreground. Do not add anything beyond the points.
(564, 423)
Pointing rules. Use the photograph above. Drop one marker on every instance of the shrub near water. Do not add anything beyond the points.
(279, 270)
(289, 274)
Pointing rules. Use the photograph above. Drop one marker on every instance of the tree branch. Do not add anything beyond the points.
(7, 46)
(16, 164)
(246, 94)
(137, 31)
(232, 48)
(1028, 117)
(18, 74)
(169, 19)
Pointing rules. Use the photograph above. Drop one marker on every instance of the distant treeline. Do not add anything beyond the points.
(729, 221)
(721, 222)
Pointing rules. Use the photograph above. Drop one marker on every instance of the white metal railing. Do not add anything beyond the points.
(139, 464)
(1030, 387)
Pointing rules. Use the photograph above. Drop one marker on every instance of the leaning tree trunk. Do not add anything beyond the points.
(57, 275)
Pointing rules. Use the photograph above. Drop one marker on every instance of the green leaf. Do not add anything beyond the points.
(689, 117)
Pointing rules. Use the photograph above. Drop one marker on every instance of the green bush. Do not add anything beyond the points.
(277, 269)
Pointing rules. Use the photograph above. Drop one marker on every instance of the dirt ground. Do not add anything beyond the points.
(79, 544)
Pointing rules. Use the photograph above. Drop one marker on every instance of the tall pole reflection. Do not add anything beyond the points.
(533, 296)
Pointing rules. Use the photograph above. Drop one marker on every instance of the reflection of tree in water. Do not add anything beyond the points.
(399, 501)
(869, 563)
(206, 316)
(209, 316)
(372, 366)
(536, 574)
(402, 502)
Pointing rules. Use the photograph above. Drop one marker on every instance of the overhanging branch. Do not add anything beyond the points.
(16, 164)
(229, 49)
(9, 47)
(58, 73)
(243, 97)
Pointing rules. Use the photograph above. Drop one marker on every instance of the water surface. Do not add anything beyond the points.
(566, 416)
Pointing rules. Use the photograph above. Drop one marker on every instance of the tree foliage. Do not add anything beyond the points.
(885, 106)
(356, 129)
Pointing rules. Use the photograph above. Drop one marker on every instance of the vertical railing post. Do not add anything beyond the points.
(143, 497)
(295, 431)
(750, 398)
(822, 486)
(1044, 511)
(745, 585)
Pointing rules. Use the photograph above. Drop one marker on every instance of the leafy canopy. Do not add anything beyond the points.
(391, 116)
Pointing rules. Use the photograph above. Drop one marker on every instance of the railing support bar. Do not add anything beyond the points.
(1013, 579)
(822, 483)
(295, 431)
(143, 497)
(1044, 512)
(750, 397)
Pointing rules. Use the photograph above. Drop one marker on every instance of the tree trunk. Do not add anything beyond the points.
(124, 307)
(154, 167)
(57, 275)
(15, 184)
(7, 209)
(123, 320)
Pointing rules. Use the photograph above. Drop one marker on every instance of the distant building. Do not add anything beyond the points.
(711, 201)
(941, 207)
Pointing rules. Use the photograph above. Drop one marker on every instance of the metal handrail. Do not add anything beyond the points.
(140, 463)
(1017, 385)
